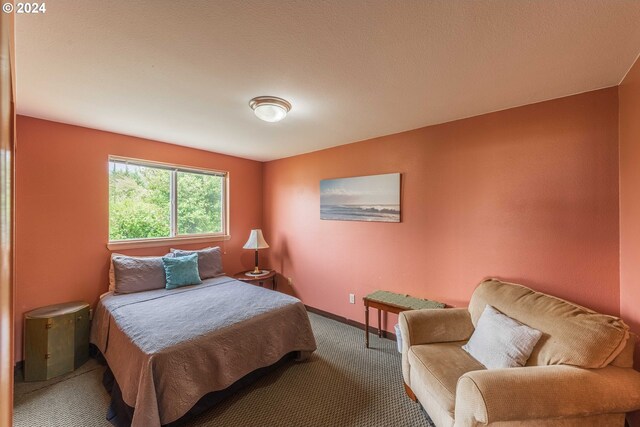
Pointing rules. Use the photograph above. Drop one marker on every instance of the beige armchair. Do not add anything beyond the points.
(579, 374)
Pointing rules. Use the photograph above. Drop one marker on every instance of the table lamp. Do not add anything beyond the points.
(256, 241)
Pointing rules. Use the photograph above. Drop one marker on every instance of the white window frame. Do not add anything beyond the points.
(175, 238)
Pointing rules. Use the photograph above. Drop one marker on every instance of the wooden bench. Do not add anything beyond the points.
(392, 303)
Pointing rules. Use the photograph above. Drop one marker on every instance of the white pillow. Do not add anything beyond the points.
(500, 341)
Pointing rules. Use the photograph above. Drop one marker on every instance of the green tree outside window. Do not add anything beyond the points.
(140, 201)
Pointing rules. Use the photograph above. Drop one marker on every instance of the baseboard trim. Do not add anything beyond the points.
(18, 369)
(350, 322)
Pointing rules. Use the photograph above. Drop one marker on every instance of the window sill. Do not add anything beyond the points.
(168, 241)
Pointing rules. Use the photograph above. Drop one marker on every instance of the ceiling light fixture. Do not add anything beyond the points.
(270, 108)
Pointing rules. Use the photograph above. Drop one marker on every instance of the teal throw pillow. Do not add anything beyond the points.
(181, 271)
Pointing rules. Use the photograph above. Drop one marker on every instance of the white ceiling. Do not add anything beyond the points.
(184, 71)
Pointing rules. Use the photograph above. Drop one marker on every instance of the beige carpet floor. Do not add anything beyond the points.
(343, 384)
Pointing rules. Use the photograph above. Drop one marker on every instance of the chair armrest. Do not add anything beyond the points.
(431, 326)
(540, 392)
(435, 325)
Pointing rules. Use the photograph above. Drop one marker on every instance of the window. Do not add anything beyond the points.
(158, 201)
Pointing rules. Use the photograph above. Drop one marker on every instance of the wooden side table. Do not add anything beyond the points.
(392, 303)
(260, 280)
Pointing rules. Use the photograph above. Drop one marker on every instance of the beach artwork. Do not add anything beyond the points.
(362, 198)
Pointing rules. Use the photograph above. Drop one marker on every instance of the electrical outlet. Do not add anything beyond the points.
(352, 298)
(290, 281)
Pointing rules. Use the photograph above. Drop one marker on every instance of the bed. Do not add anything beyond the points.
(169, 348)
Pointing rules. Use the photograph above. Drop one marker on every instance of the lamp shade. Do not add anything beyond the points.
(256, 240)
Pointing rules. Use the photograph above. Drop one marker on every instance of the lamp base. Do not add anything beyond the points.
(259, 273)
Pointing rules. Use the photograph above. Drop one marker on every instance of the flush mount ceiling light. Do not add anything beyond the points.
(270, 108)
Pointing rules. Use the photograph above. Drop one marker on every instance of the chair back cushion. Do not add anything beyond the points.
(572, 335)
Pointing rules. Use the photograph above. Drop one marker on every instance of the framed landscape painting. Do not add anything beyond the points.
(362, 198)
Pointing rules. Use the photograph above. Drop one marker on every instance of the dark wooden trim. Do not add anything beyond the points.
(410, 392)
(17, 369)
(350, 322)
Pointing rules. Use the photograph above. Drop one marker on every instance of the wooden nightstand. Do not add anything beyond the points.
(260, 280)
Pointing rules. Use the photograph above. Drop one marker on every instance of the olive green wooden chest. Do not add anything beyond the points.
(56, 340)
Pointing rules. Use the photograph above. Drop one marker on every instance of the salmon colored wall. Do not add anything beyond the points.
(62, 209)
(629, 137)
(528, 195)
(629, 93)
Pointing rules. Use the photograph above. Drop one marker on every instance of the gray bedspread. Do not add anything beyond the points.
(168, 348)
